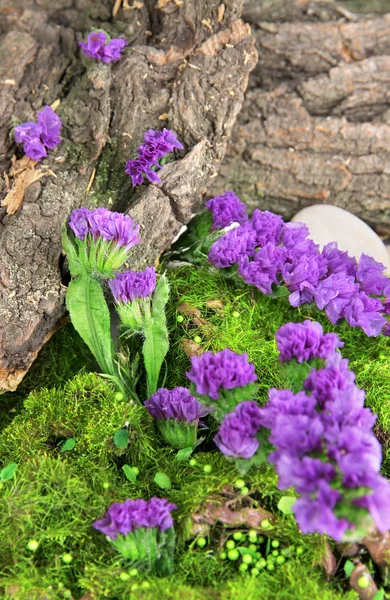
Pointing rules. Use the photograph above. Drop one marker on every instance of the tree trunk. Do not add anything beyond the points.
(315, 125)
(186, 68)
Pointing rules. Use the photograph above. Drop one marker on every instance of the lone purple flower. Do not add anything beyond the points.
(130, 285)
(212, 373)
(226, 209)
(305, 341)
(36, 137)
(176, 404)
(96, 47)
(155, 146)
(125, 517)
(105, 224)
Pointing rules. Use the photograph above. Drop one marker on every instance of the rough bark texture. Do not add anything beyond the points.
(186, 68)
(315, 125)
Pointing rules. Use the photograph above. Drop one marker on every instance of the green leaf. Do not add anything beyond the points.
(121, 438)
(91, 319)
(8, 472)
(74, 263)
(243, 550)
(285, 504)
(184, 453)
(68, 445)
(156, 342)
(379, 595)
(129, 472)
(163, 481)
(348, 568)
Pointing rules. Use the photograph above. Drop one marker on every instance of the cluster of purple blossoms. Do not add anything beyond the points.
(130, 285)
(156, 145)
(305, 341)
(177, 404)
(123, 518)
(225, 370)
(98, 47)
(325, 448)
(236, 436)
(226, 209)
(105, 224)
(37, 137)
(269, 252)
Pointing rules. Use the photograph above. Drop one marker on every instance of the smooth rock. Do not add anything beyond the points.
(329, 223)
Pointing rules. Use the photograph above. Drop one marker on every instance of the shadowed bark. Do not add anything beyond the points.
(186, 68)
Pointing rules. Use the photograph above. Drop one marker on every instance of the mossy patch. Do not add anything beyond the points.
(55, 496)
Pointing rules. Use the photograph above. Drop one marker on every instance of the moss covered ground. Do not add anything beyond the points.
(55, 496)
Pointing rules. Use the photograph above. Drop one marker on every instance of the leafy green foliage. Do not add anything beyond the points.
(163, 481)
(285, 504)
(68, 445)
(155, 332)
(8, 472)
(91, 318)
(121, 438)
(130, 473)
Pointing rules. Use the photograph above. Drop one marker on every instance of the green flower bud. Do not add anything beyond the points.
(233, 554)
(265, 524)
(201, 542)
(238, 535)
(118, 396)
(363, 582)
(270, 567)
(197, 339)
(300, 550)
(135, 470)
(236, 314)
(133, 572)
(223, 556)
(252, 547)
(243, 567)
(280, 560)
(230, 544)
(247, 559)
(106, 485)
(180, 318)
(239, 483)
(275, 543)
(255, 572)
(207, 468)
(193, 462)
(124, 576)
(275, 552)
(245, 490)
(67, 558)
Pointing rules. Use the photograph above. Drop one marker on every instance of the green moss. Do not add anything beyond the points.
(55, 496)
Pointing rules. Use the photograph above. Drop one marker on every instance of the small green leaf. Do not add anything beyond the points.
(162, 480)
(68, 445)
(130, 473)
(348, 568)
(8, 472)
(243, 550)
(285, 504)
(379, 595)
(121, 438)
(184, 453)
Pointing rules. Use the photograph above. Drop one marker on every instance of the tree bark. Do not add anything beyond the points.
(315, 125)
(186, 68)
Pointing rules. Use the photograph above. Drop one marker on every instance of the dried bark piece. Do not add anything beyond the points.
(379, 548)
(367, 593)
(24, 174)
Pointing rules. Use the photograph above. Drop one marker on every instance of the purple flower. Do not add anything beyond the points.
(36, 137)
(378, 502)
(236, 435)
(294, 233)
(226, 209)
(304, 474)
(365, 312)
(263, 270)
(268, 227)
(102, 223)
(301, 276)
(338, 261)
(176, 404)
(130, 285)
(325, 383)
(298, 436)
(125, 517)
(155, 146)
(236, 243)
(285, 402)
(305, 341)
(50, 124)
(334, 293)
(96, 47)
(316, 514)
(370, 276)
(227, 370)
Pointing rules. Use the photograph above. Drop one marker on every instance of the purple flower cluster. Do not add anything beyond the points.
(155, 146)
(98, 47)
(226, 209)
(236, 436)
(130, 285)
(269, 252)
(125, 517)
(36, 137)
(177, 404)
(325, 448)
(305, 341)
(227, 370)
(102, 223)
